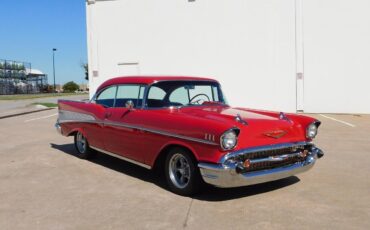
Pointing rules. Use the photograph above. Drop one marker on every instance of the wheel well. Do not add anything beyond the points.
(161, 158)
(72, 133)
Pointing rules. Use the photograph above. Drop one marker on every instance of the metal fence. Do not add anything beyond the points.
(19, 78)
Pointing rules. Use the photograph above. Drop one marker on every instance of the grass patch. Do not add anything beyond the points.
(33, 96)
(46, 104)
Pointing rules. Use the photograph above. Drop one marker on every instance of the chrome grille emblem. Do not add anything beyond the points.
(276, 134)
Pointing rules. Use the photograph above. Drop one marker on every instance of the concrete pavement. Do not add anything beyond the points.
(44, 186)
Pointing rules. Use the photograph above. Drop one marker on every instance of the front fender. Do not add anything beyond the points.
(180, 144)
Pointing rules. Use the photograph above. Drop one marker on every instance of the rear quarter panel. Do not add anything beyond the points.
(82, 116)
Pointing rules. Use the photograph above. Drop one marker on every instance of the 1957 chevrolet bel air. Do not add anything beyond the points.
(185, 127)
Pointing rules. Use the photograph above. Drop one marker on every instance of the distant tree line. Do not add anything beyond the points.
(70, 87)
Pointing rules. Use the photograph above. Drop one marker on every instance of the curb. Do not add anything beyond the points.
(24, 113)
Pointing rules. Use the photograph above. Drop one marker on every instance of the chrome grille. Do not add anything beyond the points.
(270, 154)
(270, 165)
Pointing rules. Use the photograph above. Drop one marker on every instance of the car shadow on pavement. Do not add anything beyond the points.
(115, 164)
(212, 193)
(208, 193)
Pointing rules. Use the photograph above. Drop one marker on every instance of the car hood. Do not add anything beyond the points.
(260, 127)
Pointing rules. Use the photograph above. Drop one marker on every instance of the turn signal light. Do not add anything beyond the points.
(304, 153)
(247, 163)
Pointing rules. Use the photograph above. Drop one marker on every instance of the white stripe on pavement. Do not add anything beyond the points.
(340, 121)
(39, 118)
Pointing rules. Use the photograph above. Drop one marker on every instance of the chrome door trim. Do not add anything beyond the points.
(164, 133)
(121, 157)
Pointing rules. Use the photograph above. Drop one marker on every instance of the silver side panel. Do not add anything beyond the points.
(69, 116)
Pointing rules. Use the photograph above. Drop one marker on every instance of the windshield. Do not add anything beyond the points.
(184, 93)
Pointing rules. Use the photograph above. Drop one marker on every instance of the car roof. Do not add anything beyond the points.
(148, 80)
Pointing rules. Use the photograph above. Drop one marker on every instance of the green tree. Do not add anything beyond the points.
(70, 87)
(85, 66)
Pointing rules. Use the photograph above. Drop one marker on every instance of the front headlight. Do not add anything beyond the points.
(229, 139)
(311, 131)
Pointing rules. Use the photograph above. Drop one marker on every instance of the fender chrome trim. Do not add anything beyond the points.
(122, 158)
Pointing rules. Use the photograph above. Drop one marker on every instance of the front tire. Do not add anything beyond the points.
(82, 146)
(182, 172)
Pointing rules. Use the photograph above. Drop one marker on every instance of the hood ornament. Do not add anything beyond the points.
(276, 134)
(239, 119)
(282, 116)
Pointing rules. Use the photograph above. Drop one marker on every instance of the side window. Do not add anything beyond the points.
(215, 93)
(156, 93)
(134, 93)
(180, 96)
(106, 98)
(155, 97)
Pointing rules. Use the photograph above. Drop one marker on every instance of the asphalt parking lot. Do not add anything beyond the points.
(43, 186)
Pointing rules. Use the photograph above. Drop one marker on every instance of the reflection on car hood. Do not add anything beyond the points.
(260, 127)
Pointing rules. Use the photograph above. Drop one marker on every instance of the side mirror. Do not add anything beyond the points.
(130, 105)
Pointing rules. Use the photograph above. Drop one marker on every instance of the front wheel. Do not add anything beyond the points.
(82, 146)
(182, 173)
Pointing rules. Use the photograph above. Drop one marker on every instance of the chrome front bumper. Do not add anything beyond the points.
(227, 176)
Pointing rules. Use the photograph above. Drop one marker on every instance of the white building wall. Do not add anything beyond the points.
(250, 46)
(247, 45)
(337, 56)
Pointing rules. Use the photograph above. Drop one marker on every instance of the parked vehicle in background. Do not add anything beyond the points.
(184, 126)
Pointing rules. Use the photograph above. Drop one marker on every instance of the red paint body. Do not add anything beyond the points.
(144, 146)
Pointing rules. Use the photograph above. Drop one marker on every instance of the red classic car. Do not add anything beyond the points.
(184, 126)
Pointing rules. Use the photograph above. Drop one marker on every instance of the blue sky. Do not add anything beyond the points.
(31, 29)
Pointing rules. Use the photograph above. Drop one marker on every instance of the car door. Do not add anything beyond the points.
(122, 133)
(97, 108)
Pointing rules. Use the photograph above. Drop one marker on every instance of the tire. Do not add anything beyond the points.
(182, 173)
(82, 146)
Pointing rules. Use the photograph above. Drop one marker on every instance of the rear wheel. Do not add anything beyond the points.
(82, 146)
(182, 173)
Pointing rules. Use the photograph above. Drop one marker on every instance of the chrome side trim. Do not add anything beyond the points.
(122, 158)
(75, 117)
(65, 115)
(77, 121)
(260, 149)
(164, 133)
(69, 100)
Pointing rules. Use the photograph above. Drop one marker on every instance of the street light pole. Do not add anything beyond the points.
(54, 49)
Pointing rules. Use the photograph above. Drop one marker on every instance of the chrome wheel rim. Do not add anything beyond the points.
(179, 170)
(81, 143)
